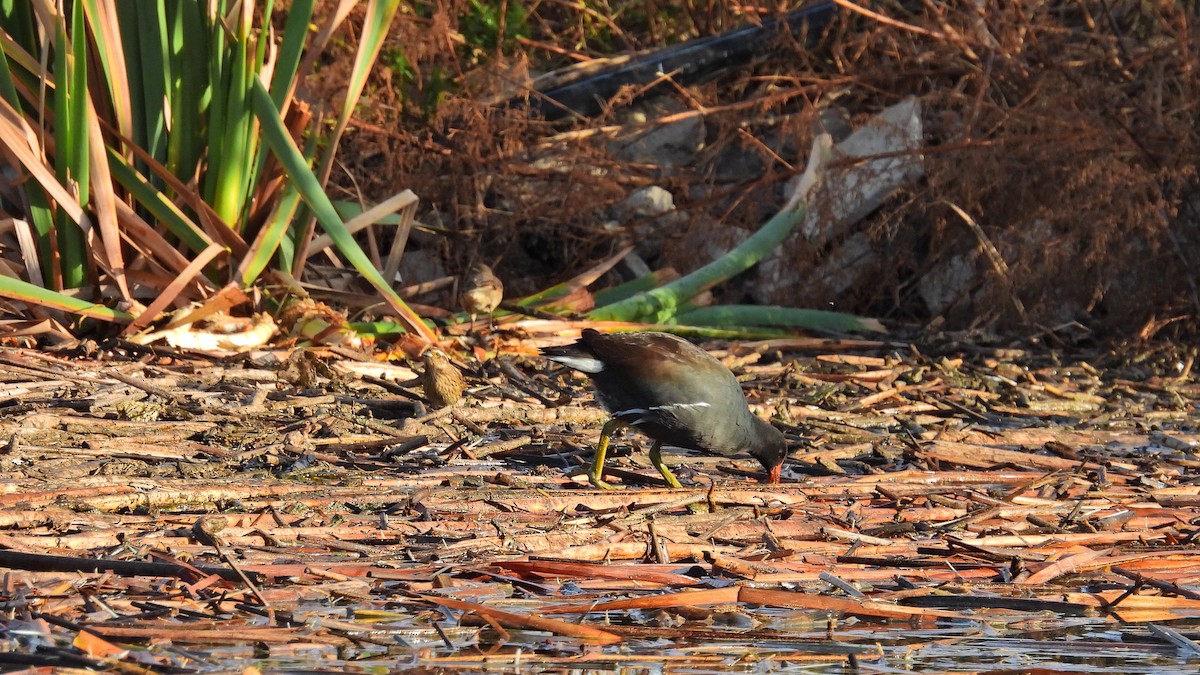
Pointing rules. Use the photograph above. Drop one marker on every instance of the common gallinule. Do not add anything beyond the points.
(672, 391)
(481, 291)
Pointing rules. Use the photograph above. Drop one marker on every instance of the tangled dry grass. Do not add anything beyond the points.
(1065, 130)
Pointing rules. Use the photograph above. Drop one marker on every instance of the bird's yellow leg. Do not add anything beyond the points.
(656, 460)
(597, 470)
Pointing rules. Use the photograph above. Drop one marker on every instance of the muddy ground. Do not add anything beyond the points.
(176, 512)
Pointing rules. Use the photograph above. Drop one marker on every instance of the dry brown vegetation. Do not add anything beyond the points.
(1066, 130)
(308, 514)
(945, 501)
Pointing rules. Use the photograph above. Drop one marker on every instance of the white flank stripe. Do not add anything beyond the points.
(684, 406)
(640, 412)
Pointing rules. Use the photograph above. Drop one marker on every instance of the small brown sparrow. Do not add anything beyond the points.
(441, 383)
(481, 291)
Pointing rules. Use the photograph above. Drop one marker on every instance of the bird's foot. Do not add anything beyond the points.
(593, 478)
(599, 483)
(656, 460)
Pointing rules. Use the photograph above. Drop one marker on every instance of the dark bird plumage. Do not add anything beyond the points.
(672, 391)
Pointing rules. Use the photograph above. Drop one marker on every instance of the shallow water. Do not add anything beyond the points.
(1055, 646)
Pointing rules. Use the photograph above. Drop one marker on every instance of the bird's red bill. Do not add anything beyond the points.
(773, 476)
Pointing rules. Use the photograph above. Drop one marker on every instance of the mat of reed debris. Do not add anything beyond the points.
(165, 511)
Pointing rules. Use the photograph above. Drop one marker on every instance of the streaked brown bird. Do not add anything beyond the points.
(441, 382)
(675, 393)
(481, 291)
